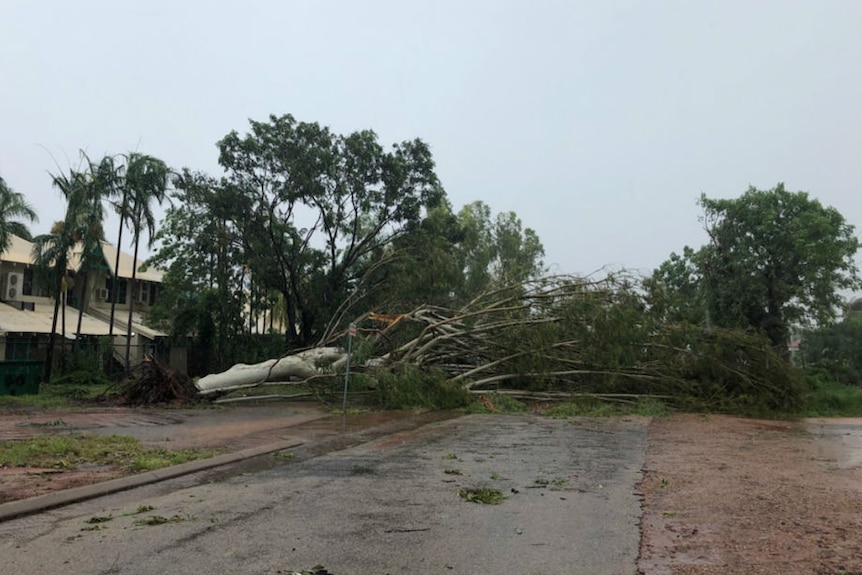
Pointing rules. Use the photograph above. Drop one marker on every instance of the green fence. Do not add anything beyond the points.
(20, 377)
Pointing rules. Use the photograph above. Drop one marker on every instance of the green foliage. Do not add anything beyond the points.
(827, 398)
(584, 407)
(483, 495)
(495, 253)
(81, 390)
(836, 349)
(13, 207)
(411, 387)
(774, 259)
(358, 196)
(593, 406)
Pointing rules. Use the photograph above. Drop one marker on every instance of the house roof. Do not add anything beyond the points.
(125, 269)
(21, 251)
(14, 320)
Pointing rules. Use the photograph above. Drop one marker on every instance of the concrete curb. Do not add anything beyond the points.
(23, 507)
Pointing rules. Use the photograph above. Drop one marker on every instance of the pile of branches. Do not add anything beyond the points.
(564, 335)
(153, 383)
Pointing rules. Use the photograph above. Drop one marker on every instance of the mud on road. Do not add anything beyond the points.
(724, 495)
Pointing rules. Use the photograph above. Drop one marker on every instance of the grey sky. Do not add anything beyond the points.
(599, 122)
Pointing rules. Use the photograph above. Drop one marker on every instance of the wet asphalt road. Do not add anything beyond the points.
(390, 505)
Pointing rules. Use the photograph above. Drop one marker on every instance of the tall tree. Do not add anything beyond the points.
(13, 207)
(85, 214)
(496, 252)
(146, 180)
(357, 197)
(201, 252)
(51, 254)
(774, 259)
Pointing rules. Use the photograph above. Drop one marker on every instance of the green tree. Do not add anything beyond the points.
(353, 197)
(13, 207)
(85, 193)
(51, 254)
(775, 259)
(146, 180)
(202, 255)
(496, 252)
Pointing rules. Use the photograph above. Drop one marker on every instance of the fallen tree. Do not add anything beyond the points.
(550, 337)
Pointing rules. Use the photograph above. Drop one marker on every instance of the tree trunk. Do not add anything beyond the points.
(130, 293)
(52, 338)
(65, 290)
(115, 292)
(84, 279)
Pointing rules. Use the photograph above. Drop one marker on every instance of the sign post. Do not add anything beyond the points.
(350, 333)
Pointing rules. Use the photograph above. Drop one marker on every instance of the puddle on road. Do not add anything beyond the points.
(842, 438)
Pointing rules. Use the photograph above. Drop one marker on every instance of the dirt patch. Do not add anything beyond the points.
(729, 495)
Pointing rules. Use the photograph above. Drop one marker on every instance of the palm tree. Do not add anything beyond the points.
(121, 191)
(85, 214)
(146, 180)
(13, 207)
(51, 260)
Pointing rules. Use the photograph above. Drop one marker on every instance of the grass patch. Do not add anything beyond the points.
(827, 398)
(496, 403)
(58, 395)
(452, 471)
(482, 495)
(595, 407)
(70, 451)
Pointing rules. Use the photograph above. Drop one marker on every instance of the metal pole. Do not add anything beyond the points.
(350, 333)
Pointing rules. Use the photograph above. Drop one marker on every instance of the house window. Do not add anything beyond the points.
(153, 288)
(121, 289)
(144, 292)
(27, 288)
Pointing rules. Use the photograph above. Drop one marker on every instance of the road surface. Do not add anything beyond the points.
(391, 505)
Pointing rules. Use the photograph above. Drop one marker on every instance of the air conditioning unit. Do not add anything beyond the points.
(102, 294)
(13, 288)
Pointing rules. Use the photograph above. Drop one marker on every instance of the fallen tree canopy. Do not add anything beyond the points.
(551, 337)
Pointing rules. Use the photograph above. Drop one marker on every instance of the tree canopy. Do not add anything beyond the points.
(774, 260)
(13, 207)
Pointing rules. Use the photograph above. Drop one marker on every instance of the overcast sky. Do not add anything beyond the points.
(599, 123)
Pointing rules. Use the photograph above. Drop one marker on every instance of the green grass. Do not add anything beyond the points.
(57, 396)
(594, 407)
(70, 451)
(826, 398)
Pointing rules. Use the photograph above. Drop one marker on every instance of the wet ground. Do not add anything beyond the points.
(389, 504)
(724, 495)
(378, 493)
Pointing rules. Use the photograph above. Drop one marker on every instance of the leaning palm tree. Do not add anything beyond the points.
(13, 207)
(146, 180)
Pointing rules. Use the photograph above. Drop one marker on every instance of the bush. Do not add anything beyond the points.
(411, 387)
(829, 398)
